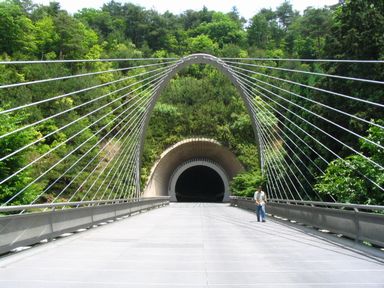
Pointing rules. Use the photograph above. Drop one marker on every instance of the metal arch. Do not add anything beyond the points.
(199, 59)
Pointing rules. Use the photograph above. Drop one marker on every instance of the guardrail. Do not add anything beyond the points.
(31, 228)
(359, 222)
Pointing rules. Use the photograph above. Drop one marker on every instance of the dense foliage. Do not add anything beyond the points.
(203, 105)
(352, 179)
(245, 184)
(199, 101)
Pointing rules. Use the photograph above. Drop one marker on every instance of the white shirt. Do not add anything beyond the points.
(259, 196)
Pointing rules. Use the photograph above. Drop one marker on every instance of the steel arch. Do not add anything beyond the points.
(199, 58)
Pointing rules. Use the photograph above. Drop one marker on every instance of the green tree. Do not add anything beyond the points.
(46, 36)
(16, 162)
(16, 31)
(223, 30)
(355, 179)
(246, 183)
(202, 44)
(285, 14)
(306, 35)
(26, 5)
(100, 21)
(357, 33)
(264, 31)
(75, 38)
(192, 19)
(206, 106)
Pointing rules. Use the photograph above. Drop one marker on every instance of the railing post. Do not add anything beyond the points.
(92, 215)
(357, 224)
(51, 215)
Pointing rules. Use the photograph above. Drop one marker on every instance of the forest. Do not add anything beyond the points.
(200, 101)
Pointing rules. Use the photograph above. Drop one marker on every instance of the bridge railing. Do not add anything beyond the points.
(30, 228)
(359, 222)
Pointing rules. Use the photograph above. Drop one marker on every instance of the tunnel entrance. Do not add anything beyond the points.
(187, 154)
(199, 184)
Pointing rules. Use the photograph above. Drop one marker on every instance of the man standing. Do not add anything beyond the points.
(260, 199)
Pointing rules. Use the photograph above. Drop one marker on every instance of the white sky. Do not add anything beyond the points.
(247, 8)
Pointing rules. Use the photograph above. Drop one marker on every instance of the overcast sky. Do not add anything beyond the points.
(247, 8)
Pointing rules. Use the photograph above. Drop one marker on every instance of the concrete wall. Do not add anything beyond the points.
(183, 152)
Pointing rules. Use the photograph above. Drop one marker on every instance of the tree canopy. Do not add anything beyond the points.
(199, 101)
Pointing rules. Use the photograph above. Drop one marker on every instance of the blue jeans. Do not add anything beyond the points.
(260, 212)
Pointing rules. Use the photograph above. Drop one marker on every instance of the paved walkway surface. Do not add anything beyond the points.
(191, 245)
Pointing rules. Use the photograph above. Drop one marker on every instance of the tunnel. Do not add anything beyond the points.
(199, 184)
(194, 170)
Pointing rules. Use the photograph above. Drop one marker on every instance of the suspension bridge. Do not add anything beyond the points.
(70, 195)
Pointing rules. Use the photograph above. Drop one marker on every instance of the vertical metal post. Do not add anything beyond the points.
(51, 215)
(357, 224)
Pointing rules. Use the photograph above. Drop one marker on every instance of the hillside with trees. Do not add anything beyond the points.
(199, 101)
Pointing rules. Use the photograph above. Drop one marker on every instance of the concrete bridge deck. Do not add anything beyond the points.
(191, 245)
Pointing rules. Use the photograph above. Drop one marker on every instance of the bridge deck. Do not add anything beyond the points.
(191, 245)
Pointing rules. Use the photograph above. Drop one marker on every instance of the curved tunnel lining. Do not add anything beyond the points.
(172, 189)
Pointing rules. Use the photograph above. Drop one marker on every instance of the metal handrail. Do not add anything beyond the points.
(73, 204)
(31, 228)
(321, 204)
(367, 225)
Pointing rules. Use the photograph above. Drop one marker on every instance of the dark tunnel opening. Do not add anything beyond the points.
(200, 184)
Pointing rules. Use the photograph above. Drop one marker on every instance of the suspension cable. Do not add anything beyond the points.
(126, 159)
(321, 130)
(80, 75)
(302, 130)
(113, 155)
(110, 170)
(306, 60)
(77, 119)
(56, 147)
(310, 73)
(128, 168)
(128, 176)
(309, 86)
(82, 90)
(85, 154)
(275, 186)
(287, 163)
(316, 140)
(264, 110)
(112, 158)
(115, 173)
(137, 160)
(277, 177)
(84, 61)
(275, 159)
(129, 149)
(132, 132)
(116, 177)
(62, 159)
(268, 134)
(274, 141)
(280, 166)
(370, 160)
(315, 102)
(275, 174)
